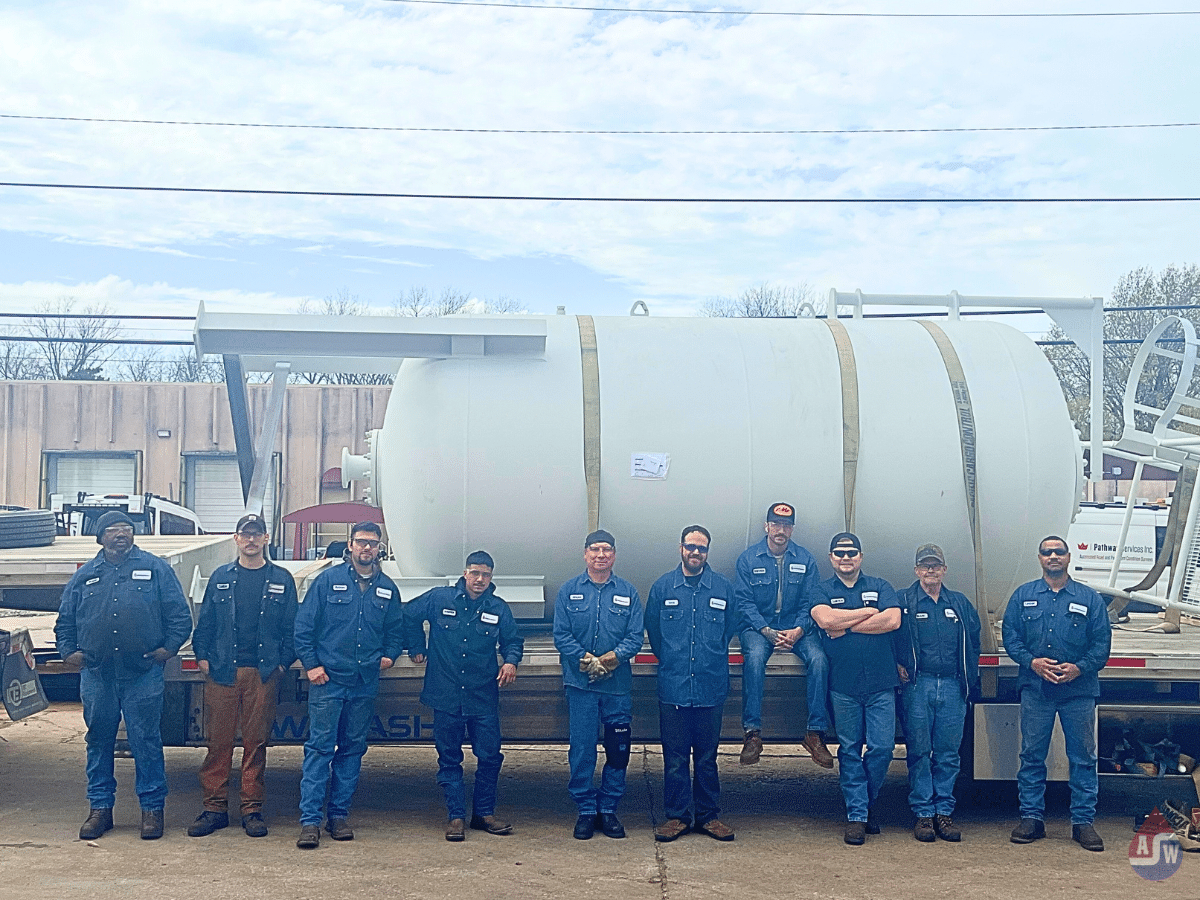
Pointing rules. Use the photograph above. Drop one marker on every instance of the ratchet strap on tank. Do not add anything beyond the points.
(590, 365)
(850, 429)
(966, 438)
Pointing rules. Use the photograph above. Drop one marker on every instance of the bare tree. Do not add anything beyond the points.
(145, 364)
(1173, 288)
(187, 366)
(765, 301)
(343, 303)
(73, 347)
(18, 361)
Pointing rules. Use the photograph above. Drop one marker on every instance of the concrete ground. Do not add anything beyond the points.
(787, 813)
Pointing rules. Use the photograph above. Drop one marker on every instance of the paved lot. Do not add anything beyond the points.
(786, 811)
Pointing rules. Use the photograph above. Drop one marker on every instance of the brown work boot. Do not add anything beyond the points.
(716, 829)
(923, 831)
(97, 822)
(946, 829)
(814, 743)
(856, 833)
(491, 825)
(751, 749)
(671, 829)
(455, 831)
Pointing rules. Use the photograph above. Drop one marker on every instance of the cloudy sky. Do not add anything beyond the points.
(397, 65)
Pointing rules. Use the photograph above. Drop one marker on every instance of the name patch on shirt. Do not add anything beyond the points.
(1077, 608)
(140, 574)
(922, 615)
(836, 601)
(798, 567)
(341, 587)
(577, 596)
(489, 619)
(97, 578)
(717, 603)
(385, 593)
(759, 571)
(222, 587)
(274, 588)
(951, 615)
(618, 600)
(870, 597)
(672, 602)
(1031, 603)
(449, 612)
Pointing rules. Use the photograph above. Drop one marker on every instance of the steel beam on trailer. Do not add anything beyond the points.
(239, 412)
(266, 441)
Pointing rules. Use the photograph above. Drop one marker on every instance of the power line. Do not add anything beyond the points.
(156, 342)
(11, 315)
(606, 131)
(822, 15)
(597, 199)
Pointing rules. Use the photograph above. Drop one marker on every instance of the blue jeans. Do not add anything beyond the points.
(934, 713)
(483, 731)
(339, 718)
(869, 720)
(139, 698)
(587, 711)
(1078, 718)
(690, 731)
(756, 650)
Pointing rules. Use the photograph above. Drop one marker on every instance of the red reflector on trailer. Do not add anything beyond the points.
(736, 659)
(189, 665)
(989, 660)
(1127, 663)
(645, 658)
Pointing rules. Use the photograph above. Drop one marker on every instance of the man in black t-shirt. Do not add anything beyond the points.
(243, 641)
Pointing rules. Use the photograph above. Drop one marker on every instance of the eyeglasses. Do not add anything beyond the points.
(364, 544)
(1055, 551)
(845, 554)
(118, 529)
(251, 534)
(935, 567)
(695, 548)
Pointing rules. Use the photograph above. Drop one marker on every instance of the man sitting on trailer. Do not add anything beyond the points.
(1057, 631)
(123, 615)
(938, 654)
(858, 613)
(775, 582)
(690, 619)
(349, 629)
(467, 624)
(243, 643)
(598, 624)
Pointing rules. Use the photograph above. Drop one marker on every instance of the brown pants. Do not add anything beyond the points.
(252, 704)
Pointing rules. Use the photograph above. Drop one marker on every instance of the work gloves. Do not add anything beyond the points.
(597, 668)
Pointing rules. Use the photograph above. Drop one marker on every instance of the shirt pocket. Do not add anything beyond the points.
(490, 632)
(1075, 634)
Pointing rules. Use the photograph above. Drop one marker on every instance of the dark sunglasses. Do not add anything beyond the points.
(845, 554)
(695, 548)
(1054, 551)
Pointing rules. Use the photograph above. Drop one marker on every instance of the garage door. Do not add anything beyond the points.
(71, 473)
(215, 489)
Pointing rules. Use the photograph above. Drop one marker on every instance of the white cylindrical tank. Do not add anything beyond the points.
(489, 453)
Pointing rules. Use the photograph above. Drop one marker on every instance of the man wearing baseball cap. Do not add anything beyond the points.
(937, 651)
(776, 579)
(243, 643)
(597, 631)
(857, 613)
(123, 615)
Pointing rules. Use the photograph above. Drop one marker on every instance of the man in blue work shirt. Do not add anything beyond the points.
(775, 581)
(243, 642)
(690, 618)
(597, 631)
(349, 628)
(937, 651)
(1057, 631)
(467, 623)
(857, 613)
(123, 615)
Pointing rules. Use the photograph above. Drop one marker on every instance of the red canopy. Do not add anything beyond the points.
(325, 513)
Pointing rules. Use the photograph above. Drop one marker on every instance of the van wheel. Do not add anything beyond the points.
(26, 528)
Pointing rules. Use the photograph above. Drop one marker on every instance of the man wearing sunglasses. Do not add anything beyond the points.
(597, 630)
(1057, 631)
(937, 650)
(857, 613)
(690, 619)
(776, 579)
(349, 629)
(122, 616)
(243, 642)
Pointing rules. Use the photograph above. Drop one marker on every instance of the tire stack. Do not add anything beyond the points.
(26, 528)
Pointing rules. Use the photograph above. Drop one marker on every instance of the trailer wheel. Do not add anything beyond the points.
(27, 528)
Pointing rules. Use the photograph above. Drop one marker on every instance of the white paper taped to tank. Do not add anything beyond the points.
(652, 466)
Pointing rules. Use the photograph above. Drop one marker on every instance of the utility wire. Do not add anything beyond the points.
(604, 131)
(823, 15)
(597, 199)
(12, 315)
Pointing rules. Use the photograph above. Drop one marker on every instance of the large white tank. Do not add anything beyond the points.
(489, 453)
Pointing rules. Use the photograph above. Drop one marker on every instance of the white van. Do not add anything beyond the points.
(1093, 538)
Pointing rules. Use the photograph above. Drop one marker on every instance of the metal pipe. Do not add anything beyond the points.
(1133, 486)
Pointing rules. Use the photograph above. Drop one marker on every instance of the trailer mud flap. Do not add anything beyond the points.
(23, 693)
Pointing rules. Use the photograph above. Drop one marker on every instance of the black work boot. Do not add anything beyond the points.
(152, 824)
(97, 822)
(1028, 831)
(208, 822)
(1086, 837)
